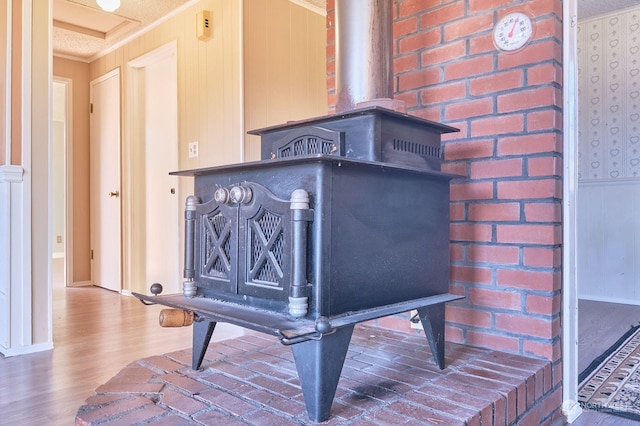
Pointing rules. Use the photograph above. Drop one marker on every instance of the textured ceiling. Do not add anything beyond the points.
(81, 30)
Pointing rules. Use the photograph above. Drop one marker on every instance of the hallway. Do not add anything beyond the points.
(96, 333)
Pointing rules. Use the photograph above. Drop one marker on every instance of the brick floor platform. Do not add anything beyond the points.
(389, 378)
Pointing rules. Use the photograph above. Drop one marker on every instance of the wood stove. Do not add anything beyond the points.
(346, 219)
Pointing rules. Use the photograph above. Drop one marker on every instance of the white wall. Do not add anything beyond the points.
(609, 241)
(57, 170)
(57, 202)
(609, 157)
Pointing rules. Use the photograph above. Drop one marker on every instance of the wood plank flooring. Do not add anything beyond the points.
(96, 333)
(600, 325)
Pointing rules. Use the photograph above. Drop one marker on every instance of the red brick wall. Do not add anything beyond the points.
(506, 215)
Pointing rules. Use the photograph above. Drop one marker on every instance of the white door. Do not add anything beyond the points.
(105, 181)
(161, 157)
(155, 126)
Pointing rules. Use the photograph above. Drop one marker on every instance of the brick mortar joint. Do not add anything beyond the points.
(540, 401)
(259, 406)
(127, 397)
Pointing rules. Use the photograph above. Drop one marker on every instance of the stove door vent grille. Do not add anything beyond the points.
(216, 248)
(267, 249)
(309, 141)
(265, 240)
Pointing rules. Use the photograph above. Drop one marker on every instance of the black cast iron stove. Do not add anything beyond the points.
(346, 219)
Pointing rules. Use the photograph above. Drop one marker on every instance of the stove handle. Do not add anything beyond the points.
(188, 286)
(323, 328)
(238, 194)
(301, 215)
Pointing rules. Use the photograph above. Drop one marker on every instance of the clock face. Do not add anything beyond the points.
(513, 31)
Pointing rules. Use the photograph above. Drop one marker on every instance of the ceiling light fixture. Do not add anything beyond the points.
(108, 5)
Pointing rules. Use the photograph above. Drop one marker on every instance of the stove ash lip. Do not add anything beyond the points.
(311, 158)
(370, 110)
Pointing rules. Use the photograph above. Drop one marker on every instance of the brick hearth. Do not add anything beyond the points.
(389, 378)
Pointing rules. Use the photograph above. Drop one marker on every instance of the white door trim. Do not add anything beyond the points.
(156, 55)
(135, 131)
(571, 409)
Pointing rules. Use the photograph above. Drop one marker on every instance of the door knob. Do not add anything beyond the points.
(114, 194)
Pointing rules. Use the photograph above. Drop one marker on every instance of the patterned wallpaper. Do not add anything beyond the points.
(609, 96)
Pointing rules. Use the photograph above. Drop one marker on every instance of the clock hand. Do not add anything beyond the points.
(513, 28)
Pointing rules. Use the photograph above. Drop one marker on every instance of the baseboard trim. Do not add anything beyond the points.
(635, 302)
(39, 347)
(571, 410)
(81, 284)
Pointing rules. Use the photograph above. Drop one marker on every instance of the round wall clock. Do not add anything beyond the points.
(513, 32)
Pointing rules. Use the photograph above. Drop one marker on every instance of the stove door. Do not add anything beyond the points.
(265, 245)
(216, 247)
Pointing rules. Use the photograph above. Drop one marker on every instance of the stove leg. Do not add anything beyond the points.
(432, 318)
(202, 331)
(319, 364)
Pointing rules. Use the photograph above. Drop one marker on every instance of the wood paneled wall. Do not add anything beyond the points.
(284, 66)
(209, 81)
(11, 29)
(3, 88)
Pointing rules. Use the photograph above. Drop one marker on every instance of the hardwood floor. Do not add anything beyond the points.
(96, 333)
(600, 326)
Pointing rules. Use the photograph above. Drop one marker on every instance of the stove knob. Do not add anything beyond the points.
(221, 195)
(156, 289)
(323, 325)
(240, 195)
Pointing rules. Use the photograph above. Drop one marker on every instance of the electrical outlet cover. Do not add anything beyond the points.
(193, 149)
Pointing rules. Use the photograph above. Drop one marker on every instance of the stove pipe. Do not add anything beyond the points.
(364, 54)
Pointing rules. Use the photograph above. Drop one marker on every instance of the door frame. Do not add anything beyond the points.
(569, 315)
(68, 178)
(135, 128)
